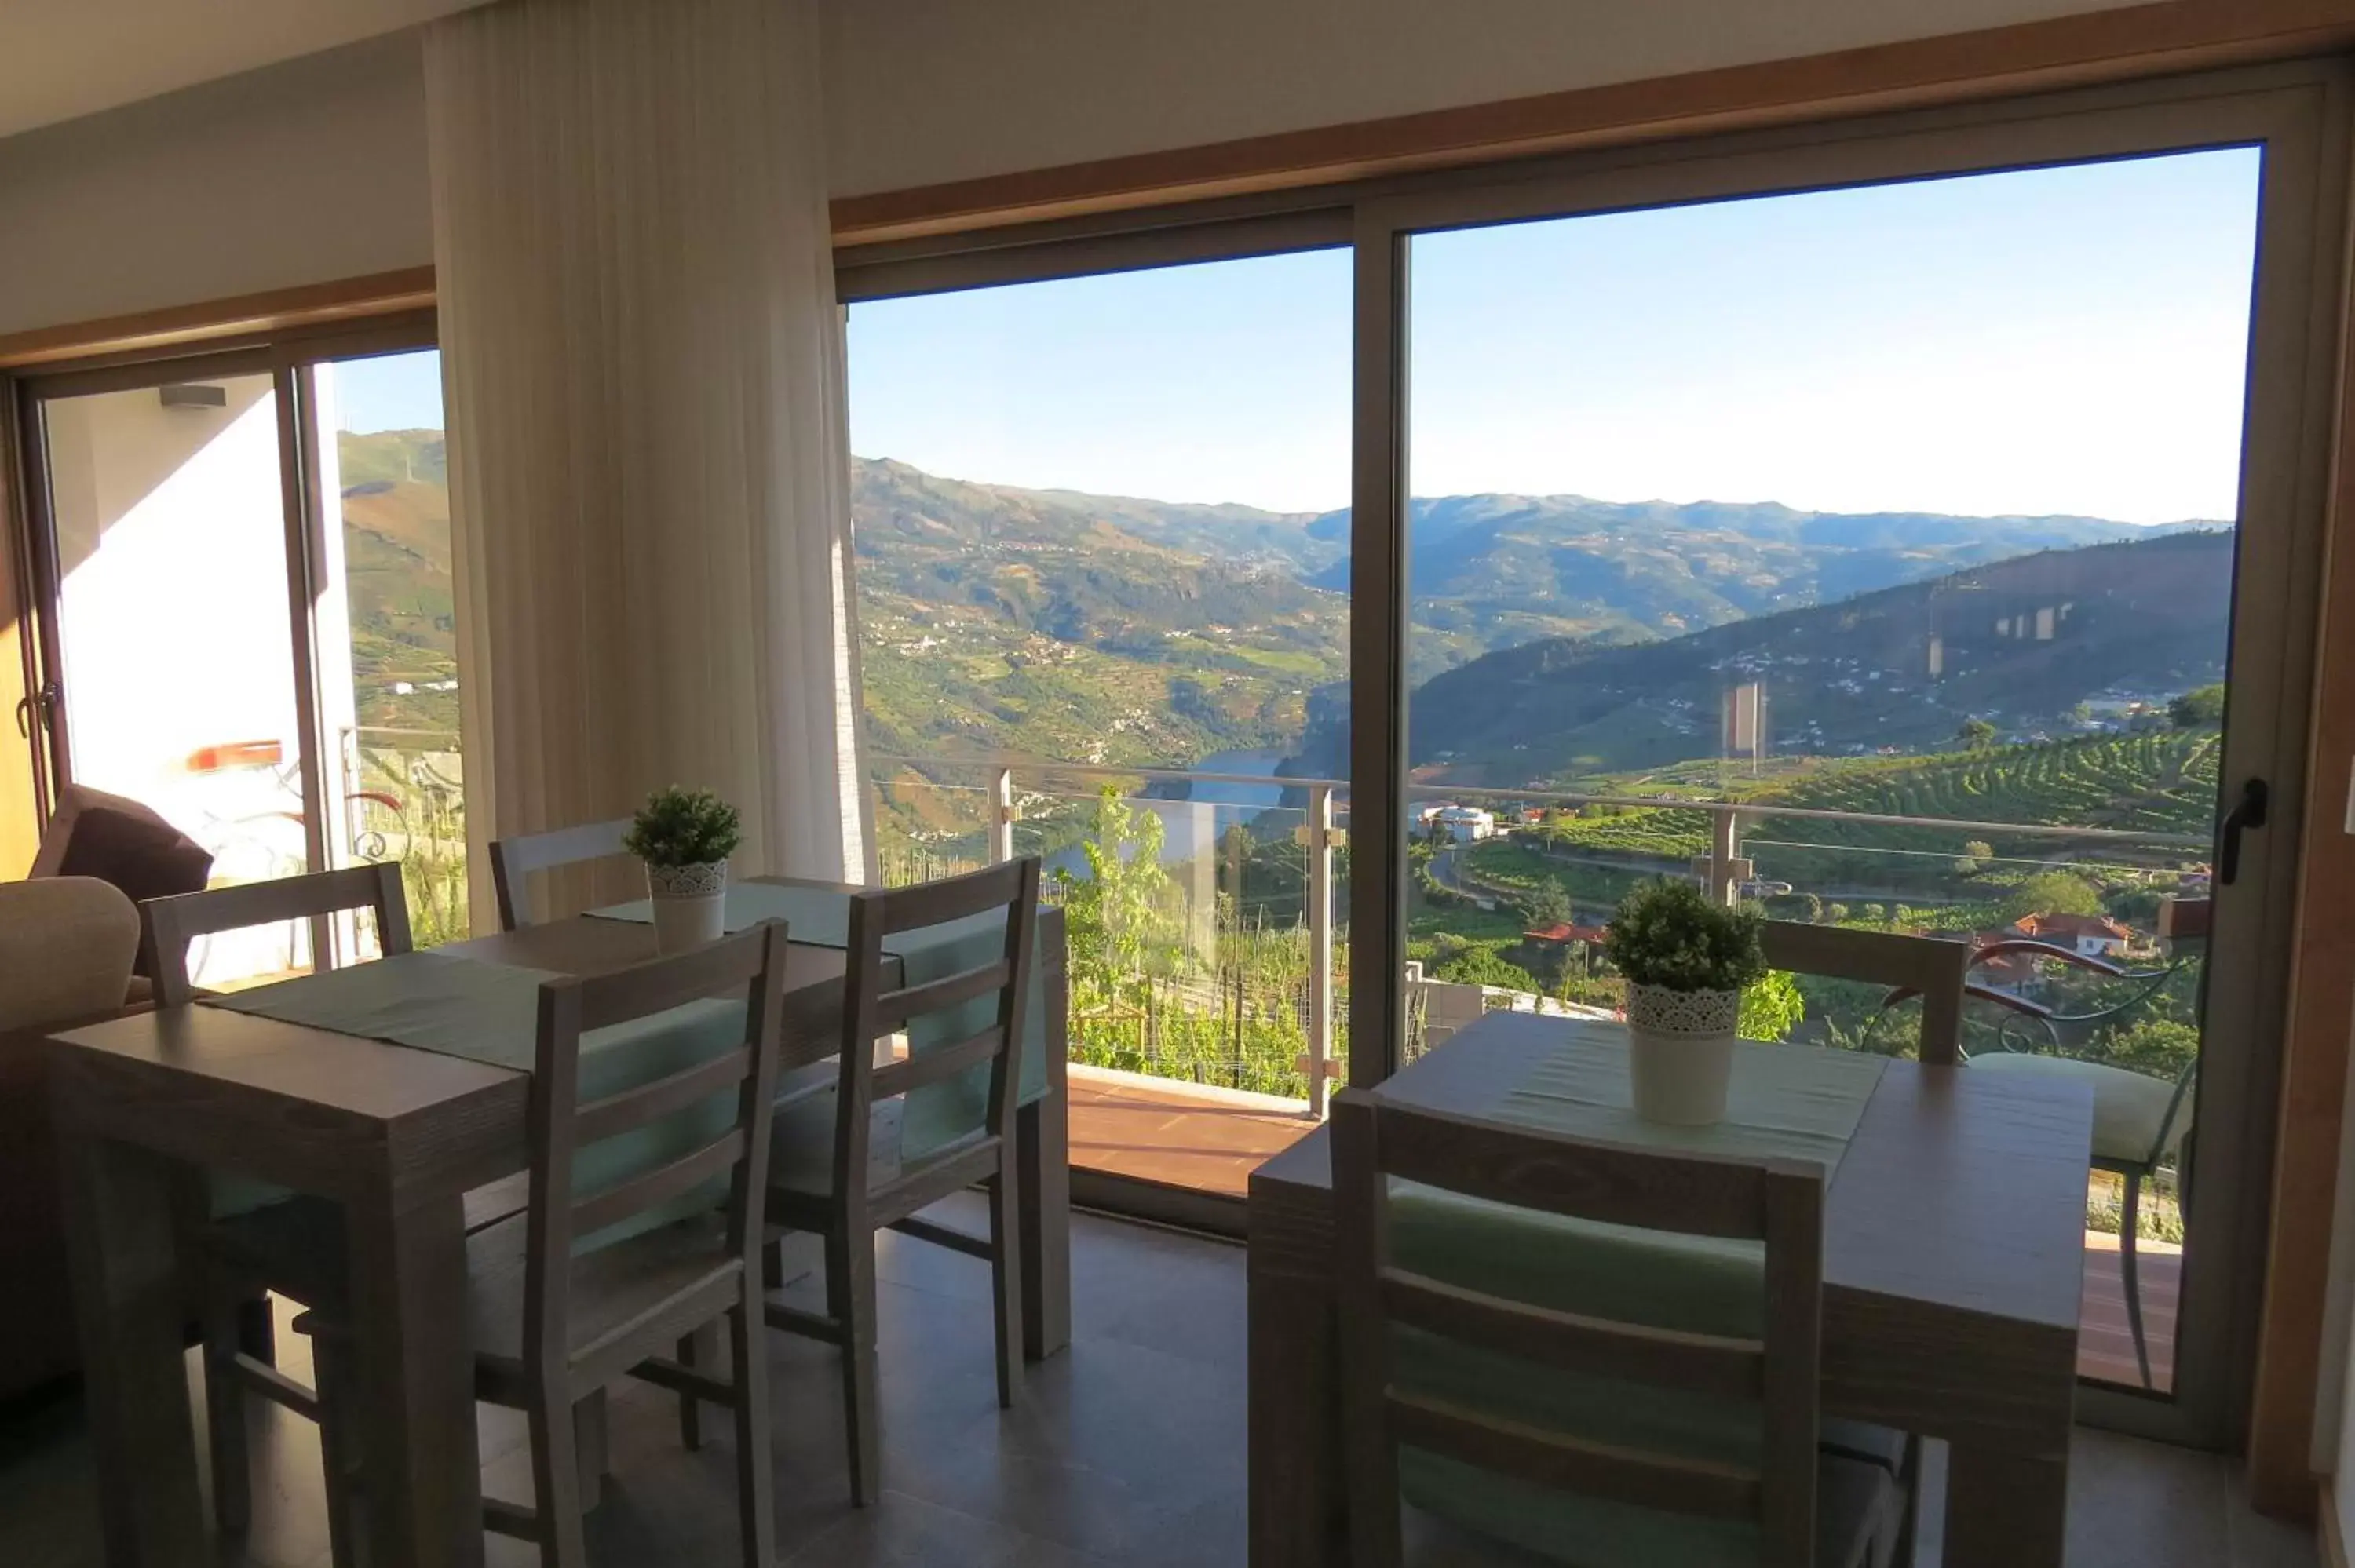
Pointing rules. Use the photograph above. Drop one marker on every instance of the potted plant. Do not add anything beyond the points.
(1687, 961)
(685, 836)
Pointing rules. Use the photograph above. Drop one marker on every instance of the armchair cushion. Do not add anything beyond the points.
(144, 859)
(67, 945)
(2129, 1108)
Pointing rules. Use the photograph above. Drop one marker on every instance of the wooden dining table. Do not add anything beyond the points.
(398, 1137)
(1953, 1261)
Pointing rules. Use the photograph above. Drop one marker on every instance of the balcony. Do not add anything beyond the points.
(1203, 1050)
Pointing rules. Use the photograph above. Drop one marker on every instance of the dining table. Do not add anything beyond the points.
(1953, 1237)
(399, 1136)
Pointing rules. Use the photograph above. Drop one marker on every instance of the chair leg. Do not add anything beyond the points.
(338, 1458)
(556, 1480)
(755, 1499)
(699, 1349)
(850, 1301)
(1909, 1520)
(1006, 1274)
(225, 1410)
(2130, 1273)
(257, 1329)
(589, 1449)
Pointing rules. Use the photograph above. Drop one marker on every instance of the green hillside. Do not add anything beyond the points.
(2018, 643)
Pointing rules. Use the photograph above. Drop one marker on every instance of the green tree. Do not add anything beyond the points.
(2202, 707)
(2160, 1047)
(1120, 921)
(1547, 904)
(1974, 858)
(2053, 893)
(1770, 1007)
(1814, 907)
(1483, 966)
(1975, 733)
(1837, 913)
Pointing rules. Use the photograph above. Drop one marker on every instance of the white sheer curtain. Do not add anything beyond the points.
(641, 355)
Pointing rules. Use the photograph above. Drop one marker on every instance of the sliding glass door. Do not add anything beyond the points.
(1913, 531)
(243, 577)
(1104, 608)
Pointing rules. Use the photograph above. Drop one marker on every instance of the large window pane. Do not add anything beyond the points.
(175, 632)
(387, 632)
(1865, 554)
(1102, 543)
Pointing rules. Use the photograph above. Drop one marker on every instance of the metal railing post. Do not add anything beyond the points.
(1723, 871)
(1318, 835)
(1001, 816)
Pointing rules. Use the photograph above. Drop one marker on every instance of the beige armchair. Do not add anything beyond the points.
(65, 950)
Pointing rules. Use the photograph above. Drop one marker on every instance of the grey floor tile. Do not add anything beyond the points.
(1128, 1449)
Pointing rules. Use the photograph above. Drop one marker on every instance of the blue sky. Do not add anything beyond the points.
(391, 392)
(2062, 339)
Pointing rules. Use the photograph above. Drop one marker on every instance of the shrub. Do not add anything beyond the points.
(684, 827)
(1666, 934)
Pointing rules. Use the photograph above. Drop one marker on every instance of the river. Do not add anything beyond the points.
(1194, 822)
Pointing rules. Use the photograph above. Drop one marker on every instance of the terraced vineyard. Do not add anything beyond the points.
(2162, 782)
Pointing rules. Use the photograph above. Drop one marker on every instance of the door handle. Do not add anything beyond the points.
(2248, 811)
(25, 718)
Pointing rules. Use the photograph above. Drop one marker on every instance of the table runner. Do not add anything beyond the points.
(489, 1013)
(1786, 1102)
(935, 1115)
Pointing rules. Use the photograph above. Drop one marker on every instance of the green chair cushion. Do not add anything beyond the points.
(2129, 1108)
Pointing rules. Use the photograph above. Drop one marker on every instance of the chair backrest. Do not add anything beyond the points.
(750, 964)
(1779, 1202)
(514, 860)
(1923, 965)
(871, 1013)
(172, 923)
(66, 948)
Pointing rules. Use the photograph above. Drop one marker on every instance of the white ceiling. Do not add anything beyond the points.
(60, 59)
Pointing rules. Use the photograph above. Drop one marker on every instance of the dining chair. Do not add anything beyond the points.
(1599, 1439)
(2142, 1121)
(1926, 967)
(249, 1242)
(558, 1314)
(514, 860)
(841, 1171)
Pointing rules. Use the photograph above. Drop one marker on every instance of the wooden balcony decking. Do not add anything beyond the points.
(1209, 1140)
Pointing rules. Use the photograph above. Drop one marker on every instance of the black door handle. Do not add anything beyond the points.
(25, 718)
(2248, 811)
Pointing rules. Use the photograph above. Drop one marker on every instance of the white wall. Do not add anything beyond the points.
(925, 91)
(315, 169)
(297, 174)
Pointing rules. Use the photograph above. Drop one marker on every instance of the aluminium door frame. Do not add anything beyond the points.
(289, 360)
(2298, 113)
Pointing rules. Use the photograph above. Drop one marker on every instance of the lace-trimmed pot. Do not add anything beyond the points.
(1680, 1053)
(690, 904)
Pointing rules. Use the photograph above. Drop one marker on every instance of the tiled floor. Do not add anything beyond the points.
(1127, 1448)
(1210, 1139)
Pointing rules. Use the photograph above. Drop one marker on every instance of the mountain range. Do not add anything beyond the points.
(1123, 630)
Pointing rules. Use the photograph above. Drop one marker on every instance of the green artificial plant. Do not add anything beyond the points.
(684, 827)
(1666, 934)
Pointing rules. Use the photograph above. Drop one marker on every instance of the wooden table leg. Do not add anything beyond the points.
(2005, 1510)
(1043, 1149)
(416, 1380)
(1298, 1517)
(131, 1310)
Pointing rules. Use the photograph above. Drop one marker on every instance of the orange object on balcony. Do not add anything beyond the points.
(236, 753)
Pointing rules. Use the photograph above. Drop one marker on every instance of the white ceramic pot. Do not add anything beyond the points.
(690, 904)
(1680, 1053)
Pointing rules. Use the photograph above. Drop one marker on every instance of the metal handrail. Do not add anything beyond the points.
(1564, 796)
